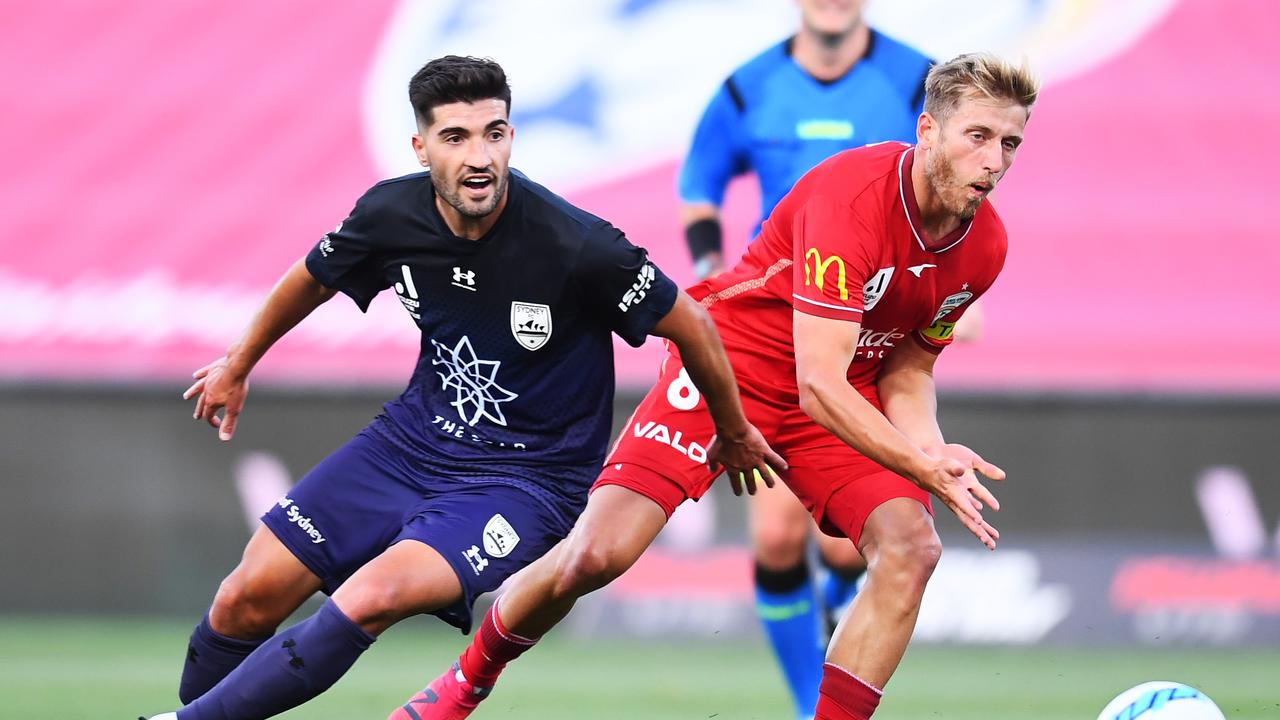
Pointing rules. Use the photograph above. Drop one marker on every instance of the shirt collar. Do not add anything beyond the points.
(912, 209)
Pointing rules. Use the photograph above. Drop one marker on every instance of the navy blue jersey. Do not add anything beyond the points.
(774, 119)
(516, 362)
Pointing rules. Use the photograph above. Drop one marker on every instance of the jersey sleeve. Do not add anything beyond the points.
(941, 333)
(622, 285)
(344, 258)
(715, 156)
(834, 249)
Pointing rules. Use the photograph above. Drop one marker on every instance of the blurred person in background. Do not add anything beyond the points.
(835, 84)
(833, 319)
(484, 461)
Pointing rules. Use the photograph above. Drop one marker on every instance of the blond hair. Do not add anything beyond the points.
(977, 75)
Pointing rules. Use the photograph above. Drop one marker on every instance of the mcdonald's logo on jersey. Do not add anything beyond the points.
(816, 276)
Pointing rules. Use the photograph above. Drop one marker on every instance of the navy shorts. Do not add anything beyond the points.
(370, 494)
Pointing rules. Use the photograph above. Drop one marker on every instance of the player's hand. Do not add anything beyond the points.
(974, 462)
(216, 388)
(951, 478)
(747, 458)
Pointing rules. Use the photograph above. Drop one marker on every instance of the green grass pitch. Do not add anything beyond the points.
(99, 668)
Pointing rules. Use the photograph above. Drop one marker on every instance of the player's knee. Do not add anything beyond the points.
(374, 605)
(907, 561)
(588, 567)
(243, 610)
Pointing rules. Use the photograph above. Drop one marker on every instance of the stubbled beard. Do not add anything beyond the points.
(453, 196)
(969, 208)
(941, 175)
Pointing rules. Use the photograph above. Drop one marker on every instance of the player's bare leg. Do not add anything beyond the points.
(902, 549)
(779, 527)
(614, 530)
(264, 589)
(408, 578)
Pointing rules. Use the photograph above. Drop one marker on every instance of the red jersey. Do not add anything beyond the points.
(851, 223)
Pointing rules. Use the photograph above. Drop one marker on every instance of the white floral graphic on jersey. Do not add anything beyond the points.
(478, 394)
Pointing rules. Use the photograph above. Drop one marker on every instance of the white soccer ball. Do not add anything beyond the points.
(1161, 700)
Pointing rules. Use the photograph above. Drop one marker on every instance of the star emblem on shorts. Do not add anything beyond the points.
(474, 382)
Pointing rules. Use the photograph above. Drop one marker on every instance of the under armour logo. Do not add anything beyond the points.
(478, 561)
(294, 659)
(461, 276)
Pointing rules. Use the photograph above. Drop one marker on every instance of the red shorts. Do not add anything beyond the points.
(662, 454)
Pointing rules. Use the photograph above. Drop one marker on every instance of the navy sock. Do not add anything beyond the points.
(286, 671)
(210, 657)
(786, 604)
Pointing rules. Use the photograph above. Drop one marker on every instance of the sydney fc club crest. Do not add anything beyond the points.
(499, 537)
(531, 324)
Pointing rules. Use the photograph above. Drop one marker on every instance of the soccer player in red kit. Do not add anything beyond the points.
(833, 321)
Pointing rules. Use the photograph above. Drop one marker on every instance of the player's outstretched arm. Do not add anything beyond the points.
(824, 349)
(910, 401)
(738, 446)
(224, 383)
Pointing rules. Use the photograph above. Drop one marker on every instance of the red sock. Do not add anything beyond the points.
(490, 650)
(845, 696)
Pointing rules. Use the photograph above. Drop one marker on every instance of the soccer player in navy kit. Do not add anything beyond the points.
(485, 460)
(836, 84)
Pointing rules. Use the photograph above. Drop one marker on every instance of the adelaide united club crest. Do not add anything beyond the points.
(530, 324)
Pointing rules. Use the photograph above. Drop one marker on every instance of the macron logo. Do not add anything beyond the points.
(917, 269)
